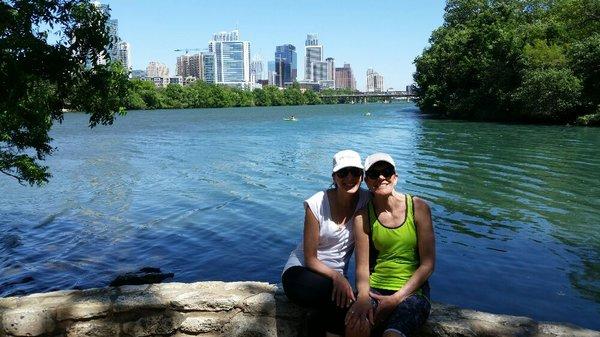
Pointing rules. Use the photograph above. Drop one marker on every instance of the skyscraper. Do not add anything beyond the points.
(319, 71)
(116, 51)
(124, 55)
(256, 70)
(271, 73)
(232, 58)
(286, 68)
(330, 69)
(374, 81)
(313, 53)
(113, 30)
(344, 78)
(209, 74)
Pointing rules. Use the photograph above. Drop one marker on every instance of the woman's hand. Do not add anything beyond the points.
(387, 304)
(342, 293)
(360, 317)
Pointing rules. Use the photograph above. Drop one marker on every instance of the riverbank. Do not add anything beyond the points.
(221, 309)
(144, 95)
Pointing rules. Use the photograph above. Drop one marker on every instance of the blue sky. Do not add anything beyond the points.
(383, 35)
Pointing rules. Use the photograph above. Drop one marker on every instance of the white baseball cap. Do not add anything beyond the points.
(376, 157)
(346, 158)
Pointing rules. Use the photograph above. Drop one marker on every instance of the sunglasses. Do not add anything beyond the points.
(387, 172)
(354, 171)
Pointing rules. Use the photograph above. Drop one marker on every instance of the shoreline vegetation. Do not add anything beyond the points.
(143, 95)
(532, 61)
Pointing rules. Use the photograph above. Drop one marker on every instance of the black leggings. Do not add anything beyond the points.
(313, 290)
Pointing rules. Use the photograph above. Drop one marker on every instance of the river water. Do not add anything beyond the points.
(216, 194)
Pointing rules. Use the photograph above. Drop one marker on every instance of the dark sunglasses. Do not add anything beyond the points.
(387, 172)
(354, 171)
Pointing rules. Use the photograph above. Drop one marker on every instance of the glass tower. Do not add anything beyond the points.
(313, 52)
(208, 67)
(232, 58)
(286, 64)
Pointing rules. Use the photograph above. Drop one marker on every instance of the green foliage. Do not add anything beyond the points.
(548, 94)
(541, 55)
(175, 97)
(261, 98)
(328, 95)
(533, 60)
(293, 96)
(590, 120)
(585, 61)
(145, 95)
(41, 77)
(274, 95)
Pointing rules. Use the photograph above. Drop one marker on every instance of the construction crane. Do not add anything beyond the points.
(186, 50)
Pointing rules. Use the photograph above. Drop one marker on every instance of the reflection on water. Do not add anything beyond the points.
(217, 194)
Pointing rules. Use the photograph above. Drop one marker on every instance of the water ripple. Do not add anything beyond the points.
(516, 208)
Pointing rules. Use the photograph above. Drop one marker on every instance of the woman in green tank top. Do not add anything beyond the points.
(395, 255)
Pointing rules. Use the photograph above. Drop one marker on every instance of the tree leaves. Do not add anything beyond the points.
(513, 60)
(40, 78)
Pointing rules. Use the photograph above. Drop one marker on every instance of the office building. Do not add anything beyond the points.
(271, 73)
(209, 74)
(313, 52)
(232, 59)
(286, 66)
(116, 50)
(157, 69)
(176, 80)
(256, 70)
(113, 33)
(330, 69)
(344, 78)
(159, 81)
(374, 81)
(319, 71)
(124, 55)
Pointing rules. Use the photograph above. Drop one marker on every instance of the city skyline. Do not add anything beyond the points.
(362, 35)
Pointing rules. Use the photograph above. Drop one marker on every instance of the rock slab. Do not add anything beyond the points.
(212, 309)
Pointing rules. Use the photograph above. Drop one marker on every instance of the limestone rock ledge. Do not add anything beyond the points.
(210, 309)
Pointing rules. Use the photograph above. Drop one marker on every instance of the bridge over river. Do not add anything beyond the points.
(364, 97)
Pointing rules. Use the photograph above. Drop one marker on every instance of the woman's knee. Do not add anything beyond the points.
(306, 287)
(393, 333)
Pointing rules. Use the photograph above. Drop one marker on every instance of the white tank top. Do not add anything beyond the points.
(336, 243)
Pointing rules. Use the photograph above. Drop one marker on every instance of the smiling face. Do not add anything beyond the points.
(348, 179)
(381, 178)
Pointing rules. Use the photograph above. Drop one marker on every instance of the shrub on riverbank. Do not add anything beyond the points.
(514, 60)
(589, 120)
(144, 95)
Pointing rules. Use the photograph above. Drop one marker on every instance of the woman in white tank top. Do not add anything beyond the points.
(315, 274)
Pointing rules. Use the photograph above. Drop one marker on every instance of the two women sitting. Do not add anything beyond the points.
(395, 252)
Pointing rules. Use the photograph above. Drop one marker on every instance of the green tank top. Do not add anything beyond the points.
(394, 251)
